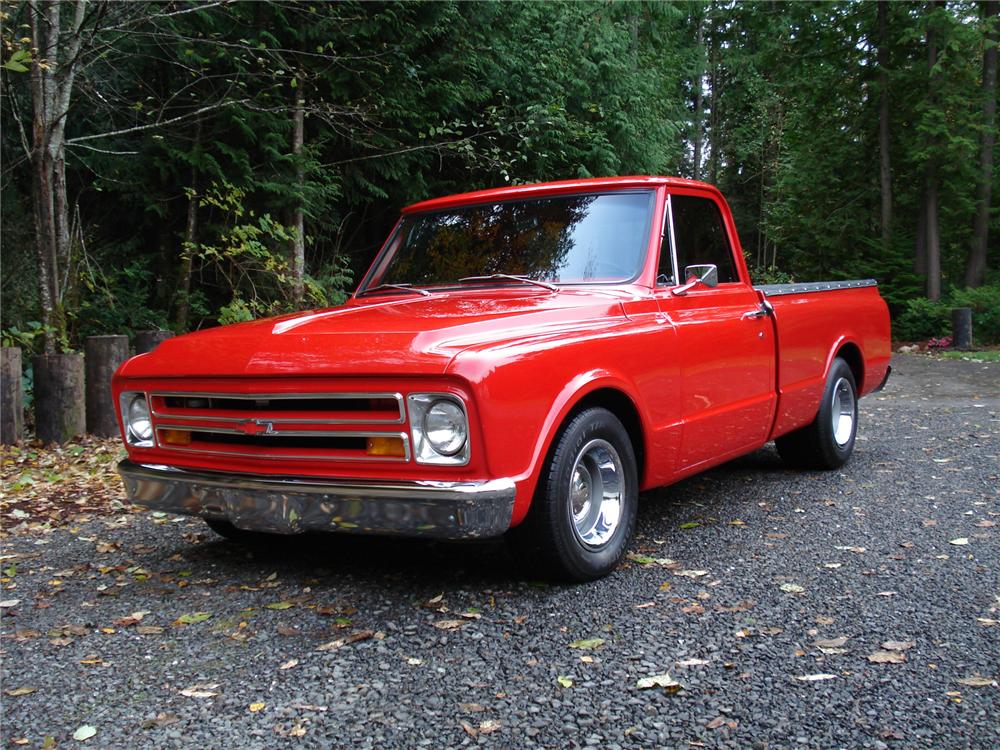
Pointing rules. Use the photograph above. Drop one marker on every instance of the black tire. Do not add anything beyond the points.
(549, 542)
(816, 446)
(234, 534)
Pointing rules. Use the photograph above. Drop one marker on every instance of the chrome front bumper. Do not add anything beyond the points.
(443, 510)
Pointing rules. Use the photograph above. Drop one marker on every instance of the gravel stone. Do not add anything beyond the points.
(926, 470)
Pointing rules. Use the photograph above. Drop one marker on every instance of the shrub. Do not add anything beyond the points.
(922, 319)
(985, 304)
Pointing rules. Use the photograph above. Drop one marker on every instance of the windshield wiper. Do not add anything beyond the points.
(511, 277)
(400, 287)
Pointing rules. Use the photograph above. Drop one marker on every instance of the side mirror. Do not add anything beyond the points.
(707, 275)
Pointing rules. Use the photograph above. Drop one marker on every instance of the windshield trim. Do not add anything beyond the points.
(390, 245)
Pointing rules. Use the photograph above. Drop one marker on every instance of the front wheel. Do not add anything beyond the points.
(828, 441)
(584, 510)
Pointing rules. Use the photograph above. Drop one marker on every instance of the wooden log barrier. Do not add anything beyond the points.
(60, 413)
(103, 354)
(146, 341)
(11, 401)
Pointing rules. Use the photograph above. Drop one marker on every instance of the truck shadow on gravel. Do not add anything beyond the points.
(330, 558)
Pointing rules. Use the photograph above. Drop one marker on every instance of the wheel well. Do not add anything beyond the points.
(852, 356)
(622, 407)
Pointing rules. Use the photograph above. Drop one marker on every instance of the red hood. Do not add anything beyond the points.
(409, 336)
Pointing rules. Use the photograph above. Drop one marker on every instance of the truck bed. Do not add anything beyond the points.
(813, 322)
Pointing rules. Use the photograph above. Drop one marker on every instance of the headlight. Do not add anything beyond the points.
(444, 425)
(439, 427)
(138, 422)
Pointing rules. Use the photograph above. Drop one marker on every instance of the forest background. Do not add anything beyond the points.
(181, 165)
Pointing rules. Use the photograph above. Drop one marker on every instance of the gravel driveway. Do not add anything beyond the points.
(857, 608)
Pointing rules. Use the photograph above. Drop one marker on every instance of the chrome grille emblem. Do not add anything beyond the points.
(255, 427)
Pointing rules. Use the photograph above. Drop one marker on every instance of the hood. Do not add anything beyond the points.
(411, 335)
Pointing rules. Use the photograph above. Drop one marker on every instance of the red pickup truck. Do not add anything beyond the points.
(523, 360)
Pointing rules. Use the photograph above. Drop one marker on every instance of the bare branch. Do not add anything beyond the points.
(153, 125)
(101, 150)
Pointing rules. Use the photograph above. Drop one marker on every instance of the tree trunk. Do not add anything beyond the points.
(103, 355)
(885, 161)
(59, 397)
(183, 307)
(298, 219)
(699, 80)
(920, 250)
(714, 137)
(933, 238)
(11, 401)
(975, 270)
(52, 72)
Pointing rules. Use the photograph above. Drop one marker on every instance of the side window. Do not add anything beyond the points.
(701, 236)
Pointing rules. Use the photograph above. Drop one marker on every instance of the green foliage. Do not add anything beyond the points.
(29, 339)
(922, 319)
(985, 304)
(407, 100)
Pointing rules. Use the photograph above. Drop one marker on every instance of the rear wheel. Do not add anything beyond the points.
(584, 510)
(828, 441)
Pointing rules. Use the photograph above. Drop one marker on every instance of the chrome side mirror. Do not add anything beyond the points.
(707, 274)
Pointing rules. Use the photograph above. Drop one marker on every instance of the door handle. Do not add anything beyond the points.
(762, 311)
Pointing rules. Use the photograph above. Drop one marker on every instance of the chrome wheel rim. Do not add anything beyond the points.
(596, 493)
(842, 412)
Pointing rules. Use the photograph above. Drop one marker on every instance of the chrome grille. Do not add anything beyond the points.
(300, 426)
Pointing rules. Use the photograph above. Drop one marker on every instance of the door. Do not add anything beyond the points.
(725, 342)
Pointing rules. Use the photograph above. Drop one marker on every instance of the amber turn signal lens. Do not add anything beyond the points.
(386, 446)
(175, 437)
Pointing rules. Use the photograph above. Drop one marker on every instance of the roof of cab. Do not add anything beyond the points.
(561, 187)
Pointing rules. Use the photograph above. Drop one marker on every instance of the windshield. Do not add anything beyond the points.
(594, 238)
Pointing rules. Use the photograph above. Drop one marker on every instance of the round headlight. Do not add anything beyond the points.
(444, 426)
(139, 421)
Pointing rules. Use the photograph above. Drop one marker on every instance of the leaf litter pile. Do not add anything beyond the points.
(47, 486)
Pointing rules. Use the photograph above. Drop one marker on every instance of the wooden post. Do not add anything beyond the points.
(60, 413)
(146, 341)
(104, 354)
(11, 403)
(961, 328)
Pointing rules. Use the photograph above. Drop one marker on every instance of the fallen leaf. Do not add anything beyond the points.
(8, 603)
(689, 525)
(588, 644)
(692, 662)
(84, 733)
(490, 725)
(816, 677)
(831, 642)
(255, 707)
(792, 588)
(201, 690)
(468, 728)
(986, 524)
(664, 681)
(691, 573)
(279, 605)
(566, 682)
(289, 664)
(414, 661)
(898, 645)
(960, 542)
(977, 682)
(191, 619)
(887, 657)
(824, 620)
(20, 691)
(149, 629)
(361, 635)
(987, 622)
(718, 721)
(131, 619)
(449, 624)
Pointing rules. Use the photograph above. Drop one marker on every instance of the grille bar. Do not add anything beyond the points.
(270, 405)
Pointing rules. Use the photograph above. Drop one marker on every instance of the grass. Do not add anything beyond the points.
(990, 355)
